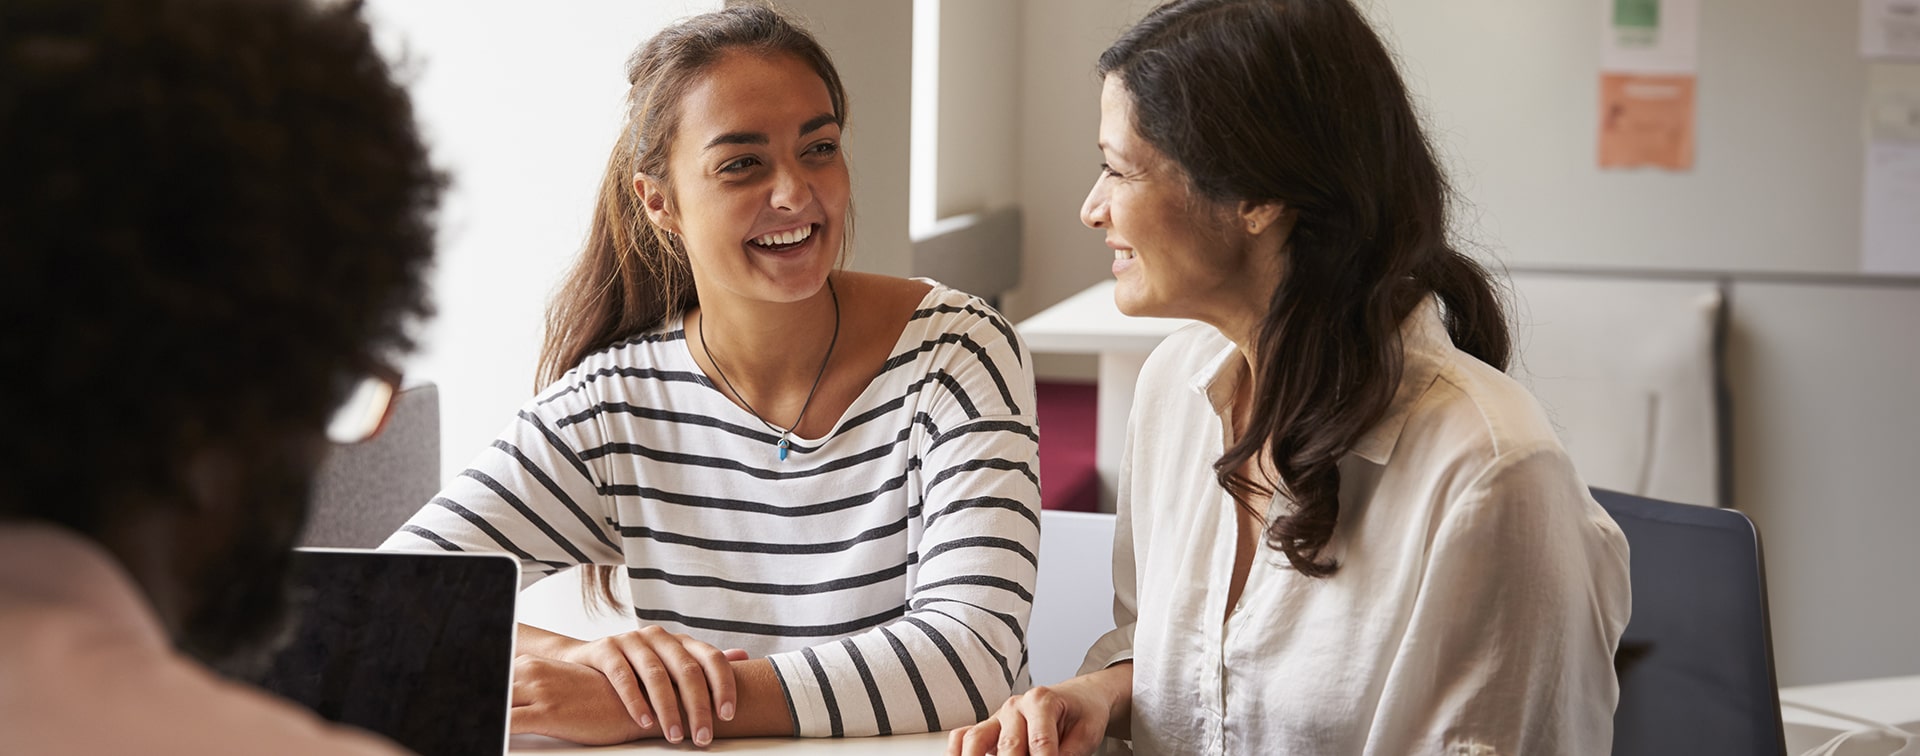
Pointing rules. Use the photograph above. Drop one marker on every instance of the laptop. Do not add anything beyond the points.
(415, 646)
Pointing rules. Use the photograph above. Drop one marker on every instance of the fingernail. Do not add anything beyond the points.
(726, 711)
(673, 733)
(702, 736)
(646, 722)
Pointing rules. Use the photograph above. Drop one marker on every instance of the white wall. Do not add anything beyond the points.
(522, 108)
(871, 42)
(1060, 40)
(978, 107)
(1511, 94)
(1826, 456)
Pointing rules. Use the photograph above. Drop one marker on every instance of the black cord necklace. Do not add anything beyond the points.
(787, 433)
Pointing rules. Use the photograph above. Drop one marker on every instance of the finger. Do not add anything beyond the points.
(693, 698)
(980, 738)
(719, 674)
(526, 670)
(621, 658)
(954, 738)
(1041, 713)
(529, 719)
(1013, 732)
(736, 654)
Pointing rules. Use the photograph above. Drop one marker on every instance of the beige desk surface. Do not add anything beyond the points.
(903, 745)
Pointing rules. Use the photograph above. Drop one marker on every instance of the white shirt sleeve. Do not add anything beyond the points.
(1506, 652)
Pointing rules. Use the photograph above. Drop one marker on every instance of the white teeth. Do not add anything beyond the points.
(785, 237)
(1122, 254)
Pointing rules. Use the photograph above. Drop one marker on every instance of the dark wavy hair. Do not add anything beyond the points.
(1299, 102)
(631, 275)
(212, 213)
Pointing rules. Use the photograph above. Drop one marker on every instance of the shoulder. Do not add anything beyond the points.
(1486, 433)
(942, 309)
(1482, 411)
(151, 692)
(955, 325)
(1183, 357)
(622, 369)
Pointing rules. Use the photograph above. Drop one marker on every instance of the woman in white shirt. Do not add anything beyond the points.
(1342, 529)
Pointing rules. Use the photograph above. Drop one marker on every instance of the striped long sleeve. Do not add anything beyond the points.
(886, 569)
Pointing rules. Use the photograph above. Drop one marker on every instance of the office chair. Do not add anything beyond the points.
(1696, 660)
(1632, 371)
(1073, 595)
(365, 491)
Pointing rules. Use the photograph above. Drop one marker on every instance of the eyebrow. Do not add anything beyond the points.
(754, 137)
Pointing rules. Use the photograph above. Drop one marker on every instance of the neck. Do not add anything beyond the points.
(145, 547)
(765, 345)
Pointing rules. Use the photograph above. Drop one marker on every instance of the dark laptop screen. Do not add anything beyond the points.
(415, 646)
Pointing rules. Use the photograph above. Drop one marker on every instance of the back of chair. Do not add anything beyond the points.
(1630, 371)
(365, 491)
(1696, 660)
(1073, 600)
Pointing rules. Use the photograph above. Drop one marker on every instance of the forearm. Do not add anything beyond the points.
(763, 704)
(760, 702)
(1115, 685)
(547, 644)
(762, 709)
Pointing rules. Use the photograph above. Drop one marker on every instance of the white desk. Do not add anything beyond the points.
(1089, 323)
(1891, 700)
(903, 745)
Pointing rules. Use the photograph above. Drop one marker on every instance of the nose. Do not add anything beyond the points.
(1093, 212)
(791, 191)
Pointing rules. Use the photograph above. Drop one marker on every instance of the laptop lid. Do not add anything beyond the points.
(415, 646)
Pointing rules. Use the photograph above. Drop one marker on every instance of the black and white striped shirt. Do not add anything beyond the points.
(887, 569)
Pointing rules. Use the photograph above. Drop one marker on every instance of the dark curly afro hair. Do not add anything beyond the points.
(212, 214)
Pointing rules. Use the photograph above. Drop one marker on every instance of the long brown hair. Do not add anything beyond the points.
(632, 275)
(1298, 101)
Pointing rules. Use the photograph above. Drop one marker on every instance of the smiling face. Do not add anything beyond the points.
(1176, 253)
(759, 191)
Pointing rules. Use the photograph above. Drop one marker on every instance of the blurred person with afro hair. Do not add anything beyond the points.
(215, 221)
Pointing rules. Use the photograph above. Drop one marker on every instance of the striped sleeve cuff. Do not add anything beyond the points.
(806, 695)
(837, 690)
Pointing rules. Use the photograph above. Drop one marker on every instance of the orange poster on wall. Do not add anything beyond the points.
(1646, 120)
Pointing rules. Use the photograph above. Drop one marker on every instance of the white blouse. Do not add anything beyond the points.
(1480, 596)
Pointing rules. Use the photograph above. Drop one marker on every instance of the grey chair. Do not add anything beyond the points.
(366, 491)
(1073, 598)
(1696, 660)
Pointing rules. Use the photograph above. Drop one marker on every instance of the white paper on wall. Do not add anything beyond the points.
(1890, 205)
(1892, 234)
(1652, 36)
(1890, 29)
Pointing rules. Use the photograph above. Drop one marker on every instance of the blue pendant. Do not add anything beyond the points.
(783, 449)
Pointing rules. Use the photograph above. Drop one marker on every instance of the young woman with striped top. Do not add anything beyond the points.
(832, 475)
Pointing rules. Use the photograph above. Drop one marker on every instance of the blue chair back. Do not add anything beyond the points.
(1696, 660)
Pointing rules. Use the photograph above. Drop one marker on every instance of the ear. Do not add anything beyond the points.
(1258, 217)
(653, 197)
(213, 482)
